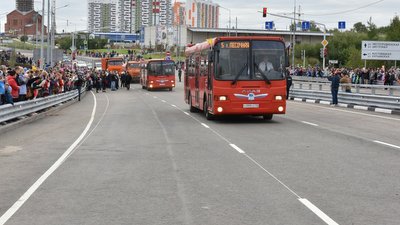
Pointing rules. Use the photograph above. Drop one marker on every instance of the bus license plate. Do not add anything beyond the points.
(247, 106)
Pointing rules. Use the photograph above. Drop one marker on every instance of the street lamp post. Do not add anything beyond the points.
(42, 37)
(229, 22)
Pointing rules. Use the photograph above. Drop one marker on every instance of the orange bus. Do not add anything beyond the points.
(158, 74)
(230, 76)
(132, 69)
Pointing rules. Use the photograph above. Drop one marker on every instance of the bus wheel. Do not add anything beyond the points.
(170, 89)
(207, 113)
(191, 109)
(143, 87)
(268, 116)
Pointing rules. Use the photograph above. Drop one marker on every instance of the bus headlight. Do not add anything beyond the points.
(280, 109)
(222, 98)
(151, 86)
(151, 82)
(278, 98)
(220, 109)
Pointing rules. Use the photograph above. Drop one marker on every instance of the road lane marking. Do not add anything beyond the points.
(387, 144)
(303, 200)
(173, 106)
(205, 125)
(312, 124)
(348, 111)
(164, 101)
(387, 111)
(237, 148)
(18, 204)
(154, 96)
(318, 212)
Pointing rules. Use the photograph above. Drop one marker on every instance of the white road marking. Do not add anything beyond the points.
(237, 148)
(15, 207)
(205, 125)
(164, 101)
(298, 99)
(343, 105)
(387, 144)
(312, 124)
(388, 111)
(361, 107)
(318, 212)
(173, 106)
(155, 97)
(324, 102)
(310, 100)
(186, 113)
(348, 111)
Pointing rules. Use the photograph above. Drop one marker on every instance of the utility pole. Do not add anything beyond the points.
(294, 34)
(41, 39)
(48, 33)
(53, 28)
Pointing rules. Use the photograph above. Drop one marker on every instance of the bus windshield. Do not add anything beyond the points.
(134, 65)
(161, 68)
(250, 60)
(115, 62)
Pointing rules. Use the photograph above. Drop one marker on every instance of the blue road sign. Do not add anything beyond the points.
(342, 24)
(305, 25)
(269, 25)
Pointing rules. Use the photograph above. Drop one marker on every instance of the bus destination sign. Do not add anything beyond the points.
(235, 44)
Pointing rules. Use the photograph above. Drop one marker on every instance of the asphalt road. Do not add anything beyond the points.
(145, 159)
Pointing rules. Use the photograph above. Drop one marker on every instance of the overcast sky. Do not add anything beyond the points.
(248, 13)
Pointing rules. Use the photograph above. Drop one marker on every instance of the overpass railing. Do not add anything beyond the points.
(20, 109)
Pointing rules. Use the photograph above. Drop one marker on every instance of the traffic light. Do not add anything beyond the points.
(264, 12)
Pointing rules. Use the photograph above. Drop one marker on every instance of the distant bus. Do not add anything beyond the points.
(223, 76)
(158, 74)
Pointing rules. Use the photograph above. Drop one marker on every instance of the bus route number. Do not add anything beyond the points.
(235, 44)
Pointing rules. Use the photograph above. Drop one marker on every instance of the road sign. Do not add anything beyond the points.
(305, 25)
(269, 25)
(324, 42)
(333, 61)
(342, 25)
(380, 50)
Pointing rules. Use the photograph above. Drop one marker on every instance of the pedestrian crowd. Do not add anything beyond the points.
(370, 76)
(20, 84)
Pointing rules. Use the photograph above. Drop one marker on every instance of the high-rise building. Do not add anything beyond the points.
(102, 16)
(24, 5)
(125, 9)
(178, 13)
(202, 14)
(152, 13)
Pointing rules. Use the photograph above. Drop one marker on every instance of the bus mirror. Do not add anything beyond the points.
(210, 57)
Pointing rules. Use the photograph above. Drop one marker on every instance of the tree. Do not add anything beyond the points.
(359, 28)
(393, 31)
(372, 30)
(24, 38)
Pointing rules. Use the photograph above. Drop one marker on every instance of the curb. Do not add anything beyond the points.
(349, 106)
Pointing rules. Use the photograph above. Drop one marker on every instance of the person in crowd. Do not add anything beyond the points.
(11, 78)
(128, 80)
(22, 79)
(289, 81)
(335, 81)
(346, 82)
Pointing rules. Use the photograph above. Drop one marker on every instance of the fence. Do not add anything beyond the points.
(20, 109)
(387, 97)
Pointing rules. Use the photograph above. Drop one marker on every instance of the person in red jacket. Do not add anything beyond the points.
(11, 78)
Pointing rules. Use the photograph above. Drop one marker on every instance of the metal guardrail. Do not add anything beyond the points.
(320, 92)
(383, 90)
(19, 109)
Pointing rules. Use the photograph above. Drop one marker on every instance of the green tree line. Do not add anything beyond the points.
(346, 46)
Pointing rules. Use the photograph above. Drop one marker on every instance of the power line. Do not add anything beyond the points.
(346, 11)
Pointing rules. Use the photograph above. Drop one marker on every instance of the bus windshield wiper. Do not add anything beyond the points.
(240, 73)
(263, 75)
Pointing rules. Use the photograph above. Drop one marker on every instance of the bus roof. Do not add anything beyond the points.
(209, 43)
